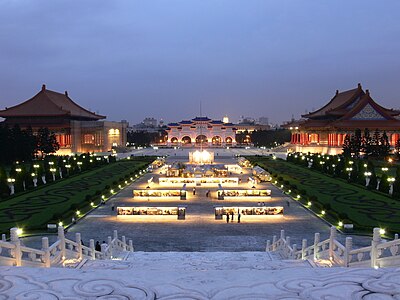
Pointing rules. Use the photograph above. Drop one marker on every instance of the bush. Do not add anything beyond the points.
(88, 197)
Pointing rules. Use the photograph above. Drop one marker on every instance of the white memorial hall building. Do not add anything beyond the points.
(201, 130)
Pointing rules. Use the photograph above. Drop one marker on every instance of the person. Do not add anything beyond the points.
(263, 204)
(239, 217)
(73, 220)
(194, 191)
(82, 243)
(227, 217)
(232, 215)
(97, 247)
(112, 207)
(288, 203)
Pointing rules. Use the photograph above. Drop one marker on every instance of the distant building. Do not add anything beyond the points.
(324, 130)
(248, 124)
(76, 129)
(150, 122)
(147, 125)
(263, 121)
(201, 131)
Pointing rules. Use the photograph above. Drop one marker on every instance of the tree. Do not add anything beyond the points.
(384, 146)
(396, 184)
(347, 146)
(384, 184)
(356, 143)
(4, 190)
(373, 180)
(46, 142)
(367, 143)
(375, 143)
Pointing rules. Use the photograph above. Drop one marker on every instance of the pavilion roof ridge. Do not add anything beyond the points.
(49, 103)
(340, 100)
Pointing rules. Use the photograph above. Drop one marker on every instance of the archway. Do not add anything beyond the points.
(228, 140)
(186, 140)
(174, 140)
(201, 139)
(216, 140)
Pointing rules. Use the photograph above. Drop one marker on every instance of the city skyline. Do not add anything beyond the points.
(131, 60)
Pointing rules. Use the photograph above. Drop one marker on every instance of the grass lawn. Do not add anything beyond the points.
(366, 209)
(34, 210)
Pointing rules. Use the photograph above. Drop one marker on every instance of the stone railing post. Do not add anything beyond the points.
(45, 248)
(115, 234)
(396, 236)
(130, 245)
(294, 247)
(110, 246)
(103, 250)
(78, 241)
(274, 243)
(123, 243)
(376, 240)
(268, 245)
(287, 245)
(316, 248)
(282, 234)
(348, 245)
(3, 237)
(303, 249)
(17, 254)
(92, 248)
(61, 238)
(332, 238)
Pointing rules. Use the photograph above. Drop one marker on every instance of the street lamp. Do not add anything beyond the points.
(391, 182)
(385, 169)
(68, 167)
(34, 179)
(53, 172)
(11, 182)
(79, 163)
(367, 177)
(349, 171)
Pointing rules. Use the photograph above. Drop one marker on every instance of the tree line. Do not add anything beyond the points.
(266, 138)
(376, 146)
(24, 145)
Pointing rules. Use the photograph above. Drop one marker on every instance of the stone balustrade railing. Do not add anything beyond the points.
(12, 253)
(379, 254)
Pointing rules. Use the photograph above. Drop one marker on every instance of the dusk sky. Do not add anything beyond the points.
(136, 59)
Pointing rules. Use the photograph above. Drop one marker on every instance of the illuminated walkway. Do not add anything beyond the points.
(200, 231)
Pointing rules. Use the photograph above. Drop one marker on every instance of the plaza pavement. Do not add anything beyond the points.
(199, 231)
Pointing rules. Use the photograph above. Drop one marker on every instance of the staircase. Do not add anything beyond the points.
(199, 275)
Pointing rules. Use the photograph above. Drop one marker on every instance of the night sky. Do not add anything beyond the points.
(136, 59)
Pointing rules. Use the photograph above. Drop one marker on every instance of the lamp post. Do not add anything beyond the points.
(53, 172)
(11, 182)
(19, 170)
(34, 179)
(349, 171)
(310, 163)
(79, 163)
(391, 182)
(367, 178)
(68, 167)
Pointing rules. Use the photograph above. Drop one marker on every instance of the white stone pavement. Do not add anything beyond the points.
(194, 275)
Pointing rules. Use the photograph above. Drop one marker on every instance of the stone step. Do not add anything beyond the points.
(201, 261)
(160, 280)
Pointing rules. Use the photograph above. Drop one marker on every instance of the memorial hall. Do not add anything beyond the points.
(201, 131)
(324, 130)
(76, 128)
